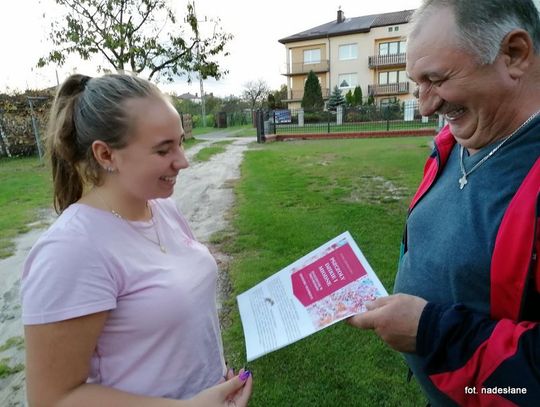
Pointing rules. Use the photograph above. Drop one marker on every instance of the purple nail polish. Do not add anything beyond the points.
(244, 375)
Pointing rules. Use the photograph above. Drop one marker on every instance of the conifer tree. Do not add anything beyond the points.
(312, 99)
(357, 96)
(349, 98)
(336, 99)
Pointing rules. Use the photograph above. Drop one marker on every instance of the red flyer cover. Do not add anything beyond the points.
(325, 286)
(327, 275)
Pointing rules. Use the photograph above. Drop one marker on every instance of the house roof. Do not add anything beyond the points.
(188, 96)
(353, 25)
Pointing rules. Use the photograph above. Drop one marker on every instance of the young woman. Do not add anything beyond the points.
(118, 296)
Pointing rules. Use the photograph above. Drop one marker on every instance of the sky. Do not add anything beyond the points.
(255, 52)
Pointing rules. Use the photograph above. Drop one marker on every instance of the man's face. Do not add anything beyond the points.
(472, 97)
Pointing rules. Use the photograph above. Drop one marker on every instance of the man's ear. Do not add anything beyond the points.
(103, 155)
(518, 52)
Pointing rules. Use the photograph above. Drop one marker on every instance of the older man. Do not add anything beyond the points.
(468, 307)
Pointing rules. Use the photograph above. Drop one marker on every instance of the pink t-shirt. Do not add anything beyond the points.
(162, 336)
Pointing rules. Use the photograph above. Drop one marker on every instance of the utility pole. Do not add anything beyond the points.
(203, 107)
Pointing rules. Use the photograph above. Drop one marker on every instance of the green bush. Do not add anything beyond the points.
(319, 117)
(198, 122)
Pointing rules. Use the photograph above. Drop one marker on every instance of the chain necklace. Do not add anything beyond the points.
(154, 226)
(464, 174)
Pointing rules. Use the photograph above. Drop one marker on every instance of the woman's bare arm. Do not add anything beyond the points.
(58, 359)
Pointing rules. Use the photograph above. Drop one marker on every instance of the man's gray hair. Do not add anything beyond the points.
(483, 24)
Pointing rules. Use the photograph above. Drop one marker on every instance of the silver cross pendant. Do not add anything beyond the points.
(462, 181)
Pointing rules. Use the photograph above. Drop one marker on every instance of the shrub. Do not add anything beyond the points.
(319, 117)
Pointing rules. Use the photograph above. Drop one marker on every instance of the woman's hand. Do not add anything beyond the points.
(228, 376)
(234, 392)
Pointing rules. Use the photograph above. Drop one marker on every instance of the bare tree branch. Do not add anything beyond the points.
(255, 91)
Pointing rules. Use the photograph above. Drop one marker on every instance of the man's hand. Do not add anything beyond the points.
(394, 318)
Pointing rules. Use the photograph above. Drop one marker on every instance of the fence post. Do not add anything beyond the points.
(328, 122)
(339, 115)
(263, 131)
(36, 130)
(408, 110)
(274, 121)
(258, 125)
(259, 122)
(441, 123)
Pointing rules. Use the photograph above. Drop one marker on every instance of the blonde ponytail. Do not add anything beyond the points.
(62, 144)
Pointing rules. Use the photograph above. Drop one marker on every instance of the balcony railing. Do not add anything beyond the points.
(379, 61)
(299, 94)
(302, 68)
(390, 89)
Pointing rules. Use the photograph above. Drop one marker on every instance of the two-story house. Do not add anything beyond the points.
(367, 51)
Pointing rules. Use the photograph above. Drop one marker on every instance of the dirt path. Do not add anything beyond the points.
(203, 193)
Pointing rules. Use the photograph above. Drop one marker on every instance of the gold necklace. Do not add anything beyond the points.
(158, 243)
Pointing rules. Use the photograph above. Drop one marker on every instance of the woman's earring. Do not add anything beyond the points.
(109, 169)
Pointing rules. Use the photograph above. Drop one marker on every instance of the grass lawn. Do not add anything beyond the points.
(197, 131)
(292, 198)
(206, 153)
(244, 130)
(25, 186)
(188, 143)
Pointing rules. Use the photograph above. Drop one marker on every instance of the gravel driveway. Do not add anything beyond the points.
(203, 193)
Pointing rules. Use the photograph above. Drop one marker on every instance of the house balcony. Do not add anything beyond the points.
(301, 68)
(386, 61)
(297, 95)
(390, 89)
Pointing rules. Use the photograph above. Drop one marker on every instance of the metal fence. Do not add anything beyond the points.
(360, 119)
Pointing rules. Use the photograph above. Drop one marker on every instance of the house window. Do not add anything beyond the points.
(396, 28)
(389, 77)
(392, 48)
(312, 56)
(390, 29)
(348, 51)
(348, 80)
(387, 101)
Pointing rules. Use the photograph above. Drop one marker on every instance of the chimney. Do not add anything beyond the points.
(340, 15)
